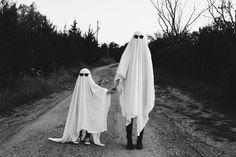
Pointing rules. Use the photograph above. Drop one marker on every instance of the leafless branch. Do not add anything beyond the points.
(170, 13)
(223, 10)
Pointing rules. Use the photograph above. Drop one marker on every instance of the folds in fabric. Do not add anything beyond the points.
(136, 87)
(88, 109)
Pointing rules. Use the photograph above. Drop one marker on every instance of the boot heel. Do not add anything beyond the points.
(130, 146)
(139, 141)
(139, 146)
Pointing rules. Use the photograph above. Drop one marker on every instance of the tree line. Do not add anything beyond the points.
(30, 43)
(207, 55)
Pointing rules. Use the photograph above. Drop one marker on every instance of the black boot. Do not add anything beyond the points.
(129, 136)
(139, 140)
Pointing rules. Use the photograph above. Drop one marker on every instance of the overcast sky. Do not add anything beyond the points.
(118, 19)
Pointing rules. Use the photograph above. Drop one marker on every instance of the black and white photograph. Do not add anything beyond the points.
(117, 78)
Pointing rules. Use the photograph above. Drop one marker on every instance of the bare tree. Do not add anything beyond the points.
(223, 13)
(170, 16)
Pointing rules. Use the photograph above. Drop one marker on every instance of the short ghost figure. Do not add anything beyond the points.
(87, 112)
(135, 83)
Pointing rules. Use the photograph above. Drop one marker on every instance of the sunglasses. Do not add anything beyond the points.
(140, 36)
(83, 74)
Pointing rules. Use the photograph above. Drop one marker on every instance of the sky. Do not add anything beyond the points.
(118, 19)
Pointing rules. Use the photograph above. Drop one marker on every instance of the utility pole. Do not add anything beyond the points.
(97, 30)
(107, 50)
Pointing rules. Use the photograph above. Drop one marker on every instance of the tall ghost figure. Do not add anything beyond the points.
(135, 83)
(88, 110)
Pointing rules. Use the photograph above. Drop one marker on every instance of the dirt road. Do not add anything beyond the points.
(175, 128)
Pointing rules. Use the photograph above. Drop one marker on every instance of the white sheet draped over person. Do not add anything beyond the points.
(135, 83)
(88, 110)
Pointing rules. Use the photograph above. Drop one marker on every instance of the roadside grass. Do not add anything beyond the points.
(29, 88)
(212, 97)
(104, 61)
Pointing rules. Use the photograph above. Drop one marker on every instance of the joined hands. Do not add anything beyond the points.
(112, 90)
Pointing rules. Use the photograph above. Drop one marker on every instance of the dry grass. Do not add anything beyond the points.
(27, 89)
(105, 61)
(212, 97)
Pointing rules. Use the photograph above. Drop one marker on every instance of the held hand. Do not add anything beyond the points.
(112, 90)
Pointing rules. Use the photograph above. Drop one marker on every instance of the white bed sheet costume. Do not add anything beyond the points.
(88, 110)
(136, 82)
